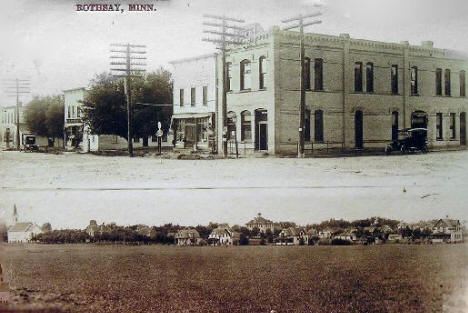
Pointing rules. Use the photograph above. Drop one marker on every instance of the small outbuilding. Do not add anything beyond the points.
(22, 232)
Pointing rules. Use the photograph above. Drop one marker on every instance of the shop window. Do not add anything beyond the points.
(246, 126)
(318, 74)
(453, 134)
(318, 125)
(439, 120)
(358, 77)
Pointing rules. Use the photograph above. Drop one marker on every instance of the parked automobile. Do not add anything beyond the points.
(409, 140)
(29, 143)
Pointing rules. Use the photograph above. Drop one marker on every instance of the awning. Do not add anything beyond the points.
(191, 115)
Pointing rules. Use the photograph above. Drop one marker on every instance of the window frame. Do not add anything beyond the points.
(193, 96)
(307, 84)
(438, 82)
(462, 77)
(318, 74)
(394, 79)
(453, 129)
(448, 82)
(318, 127)
(228, 76)
(370, 77)
(439, 126)
(358, 77)
(245, 75)
(246, 126)
(181, 97)
(414, 87)
(205, 95)
(262, 72)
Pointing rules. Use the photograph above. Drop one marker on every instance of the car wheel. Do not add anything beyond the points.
(403, 149)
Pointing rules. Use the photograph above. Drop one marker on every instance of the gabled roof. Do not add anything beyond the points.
(21, 227)
(220, 231)
(446, 222)
(187, 233)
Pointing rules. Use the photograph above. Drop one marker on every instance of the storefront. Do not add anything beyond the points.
(194, 131)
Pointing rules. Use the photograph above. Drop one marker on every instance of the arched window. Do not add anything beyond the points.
(370, 77)
(262, 70)
(228, 76)
(358, 77)
(307, 73)
(246, 126)
(245, 82)
(231, 126)
(318, 125)
(438, 82)
(462, 84)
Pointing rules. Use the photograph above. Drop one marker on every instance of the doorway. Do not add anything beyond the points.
(358, 129)
(394, 125)
(463, 129)
(261, 129)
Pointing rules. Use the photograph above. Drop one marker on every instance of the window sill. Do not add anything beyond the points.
(439, 139)
(262, 89)
(245, 90)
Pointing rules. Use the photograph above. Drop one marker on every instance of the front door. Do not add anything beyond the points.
(263, 136)
(463, 129)
(358, 129)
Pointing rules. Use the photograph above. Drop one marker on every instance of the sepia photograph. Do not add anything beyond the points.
(233, 156)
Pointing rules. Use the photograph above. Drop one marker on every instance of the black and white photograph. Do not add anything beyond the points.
(233, 156)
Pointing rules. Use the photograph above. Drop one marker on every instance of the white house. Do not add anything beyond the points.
(187, 237)
(224, 236)
(447, 230)
(22, 232)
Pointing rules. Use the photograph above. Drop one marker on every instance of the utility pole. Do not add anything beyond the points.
(14, 88)
(128, 67)
(300, 24)
(226, 35)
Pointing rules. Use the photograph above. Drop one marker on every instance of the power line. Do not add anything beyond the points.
(223, 31)
(301, 24)
(130, 69)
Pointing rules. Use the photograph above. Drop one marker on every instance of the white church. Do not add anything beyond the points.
(19, 232)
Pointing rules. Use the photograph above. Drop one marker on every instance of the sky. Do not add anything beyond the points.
(59, 48)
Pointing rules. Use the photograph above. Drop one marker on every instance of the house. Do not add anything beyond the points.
(23, 232)
(359, 93)
(293, 235)
(261, 223)
(447, 230)
(326, 233)
(345, 235)
(224, 236)
(187, 237)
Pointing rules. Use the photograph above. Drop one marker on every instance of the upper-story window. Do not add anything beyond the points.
(438, 81)
(78, 112)
(448, 85)
(228, 76)
(181, 97)
(193, 96)
(462, 84)
(262, 70)
(245, 78)
(414, 80)
(318, 74)
(69, 111)
(358, 77)
(246, 126)
(394, 78)
(205, 95)
(307, 73)
(370, 77)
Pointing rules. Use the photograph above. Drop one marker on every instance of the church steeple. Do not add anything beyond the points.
(15, 214)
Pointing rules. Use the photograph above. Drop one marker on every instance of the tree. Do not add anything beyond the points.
(44, 116)
(105, 109)
(46, 227)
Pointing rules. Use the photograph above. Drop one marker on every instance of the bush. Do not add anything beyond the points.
(340, 242)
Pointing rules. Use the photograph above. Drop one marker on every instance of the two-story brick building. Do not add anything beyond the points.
(358, 92)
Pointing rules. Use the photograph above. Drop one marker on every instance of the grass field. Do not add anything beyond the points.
(88, 278)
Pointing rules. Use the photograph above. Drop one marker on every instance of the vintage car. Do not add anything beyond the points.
(29, 143)
(409, 140)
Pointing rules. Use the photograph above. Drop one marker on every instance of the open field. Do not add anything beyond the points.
(390, 278)
(52, 188)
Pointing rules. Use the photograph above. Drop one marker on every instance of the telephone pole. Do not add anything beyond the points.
(14, 88)
(127, 66)
(301, 24)
(226, 34)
